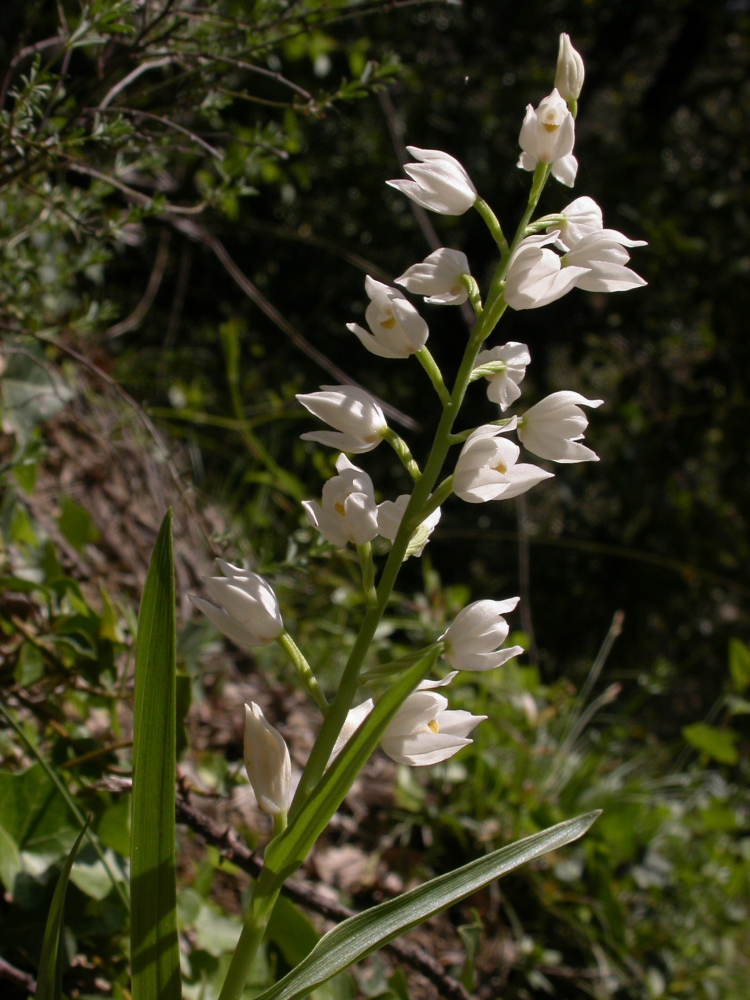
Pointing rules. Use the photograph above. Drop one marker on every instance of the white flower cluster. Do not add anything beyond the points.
(531, 274)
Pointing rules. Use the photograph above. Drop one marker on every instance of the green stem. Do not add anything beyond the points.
(336, 715)
(368, 573)
(402, 450)
(295, 654)
(253, 929)
(493, 223)
(436, 377)
(441, 494)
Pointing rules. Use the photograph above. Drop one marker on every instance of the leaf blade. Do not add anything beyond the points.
(49, 979)
(155, 953)
(356, 938)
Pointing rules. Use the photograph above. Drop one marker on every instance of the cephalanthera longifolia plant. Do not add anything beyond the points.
(410, 718)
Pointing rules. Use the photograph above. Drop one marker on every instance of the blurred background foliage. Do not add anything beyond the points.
(190, 196)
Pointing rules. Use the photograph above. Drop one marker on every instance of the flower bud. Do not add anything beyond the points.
(473, 640)
(248, 611)
(438, 278)
(268, 764)
(438, 182)
(554, 427)
(570, 71)
(358, 419)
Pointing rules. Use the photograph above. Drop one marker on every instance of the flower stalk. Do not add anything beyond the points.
(303, 668)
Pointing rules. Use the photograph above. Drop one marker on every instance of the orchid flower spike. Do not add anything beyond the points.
(390, 515)
(580, 218)
(554, 427)
(358, 419)
(268, 764)
(536, 276)
(438, 182)
(438, 278)
(422, 732)
(486, 468)
(248, 611)
(547, 136)
(503, 383)
(347, 512)
(397, 329)
(603, 255)
(474, 639)
(570, 71)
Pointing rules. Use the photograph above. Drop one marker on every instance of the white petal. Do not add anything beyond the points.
(343, 442)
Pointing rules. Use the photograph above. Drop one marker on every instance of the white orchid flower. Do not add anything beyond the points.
(248, 611)
(554, 427)
(390, 515)
(438, 278)
(487, 468)
(347, 512)
(536, 276)
(423, 731)
(397, 328)
(604, 257)
(580, 218)
(358, 419)
(267, 760)
(548, 136)
(503, 384)
(438, 182)
(570, 71)
(474, 639)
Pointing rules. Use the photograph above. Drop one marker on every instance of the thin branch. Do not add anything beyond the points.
(30, 50)
(261, 70)
(23, 979)
(217, 153)
(133, 75)
(134, 320)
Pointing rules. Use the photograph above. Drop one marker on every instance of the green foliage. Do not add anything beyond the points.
(154, 949)
(49, 981)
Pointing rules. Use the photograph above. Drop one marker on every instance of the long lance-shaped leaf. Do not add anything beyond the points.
(154, 949)
(285, 854)
(356, 938)
(49, 980)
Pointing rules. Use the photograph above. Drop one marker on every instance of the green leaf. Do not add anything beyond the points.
(154, 948)
(739, 665)
(32, 391)
(287, 852)
(76, 524)
(717, 743)
(356, 938)
(49, 980)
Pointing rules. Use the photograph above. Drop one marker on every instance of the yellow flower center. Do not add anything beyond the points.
(501, 468)
(340, 509)
(551, 126)
(389, 323)
(433, 726)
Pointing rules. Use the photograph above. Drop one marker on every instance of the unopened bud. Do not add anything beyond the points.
(570, 71)
(267, 760)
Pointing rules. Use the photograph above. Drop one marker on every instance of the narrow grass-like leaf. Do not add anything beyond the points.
(287, 852)
(154, 949)
(49, 980)
(356, 938)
